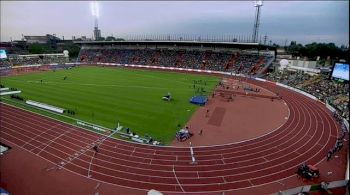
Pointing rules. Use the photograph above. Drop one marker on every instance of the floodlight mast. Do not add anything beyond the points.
(95, 14)
(96, 23)
(257, 4)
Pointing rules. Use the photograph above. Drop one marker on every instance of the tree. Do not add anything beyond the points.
(110, 38)
(295, 49)
(101, 39)
(37, 48)
(292, 43)
(73, 50)
(275, 45)
(314, 49)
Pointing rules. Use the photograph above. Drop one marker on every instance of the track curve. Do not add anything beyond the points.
(306, 137)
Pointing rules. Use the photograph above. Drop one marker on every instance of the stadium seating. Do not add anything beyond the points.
(36, 60)
(4, 63)
(337, 94)
(194, 59)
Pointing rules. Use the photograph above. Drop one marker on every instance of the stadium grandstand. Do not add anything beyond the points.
(238, 58)
(37, 59)
(319, 85)
(174, 114)
(245, 58)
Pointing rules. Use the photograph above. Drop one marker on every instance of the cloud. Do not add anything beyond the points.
(280, 20)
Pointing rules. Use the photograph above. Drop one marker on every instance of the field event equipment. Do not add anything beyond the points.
(167, 97)
(308, 171)
(183, 135)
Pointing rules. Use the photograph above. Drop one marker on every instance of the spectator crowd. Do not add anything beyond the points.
(182, 58)
(34, 60)
(4, 63)
(194, 59)
(320, 86)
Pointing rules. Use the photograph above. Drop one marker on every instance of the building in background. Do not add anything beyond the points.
(48, 39)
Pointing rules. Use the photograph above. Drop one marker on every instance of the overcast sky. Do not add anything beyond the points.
(302, 21)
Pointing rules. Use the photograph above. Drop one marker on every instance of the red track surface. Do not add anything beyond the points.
(306, 137)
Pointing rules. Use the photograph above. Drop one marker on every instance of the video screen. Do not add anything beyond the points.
(2, 54)
(341, 71)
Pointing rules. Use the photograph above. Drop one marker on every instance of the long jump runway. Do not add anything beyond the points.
(308, 134)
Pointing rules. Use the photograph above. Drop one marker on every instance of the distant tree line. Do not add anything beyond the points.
(313, 50)
(110, 38)
(72, 48)
(37, 48)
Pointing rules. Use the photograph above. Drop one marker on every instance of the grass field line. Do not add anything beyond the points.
(98, 85)
(54, 113)
(53, 118)
(26, 105)
(154, 77)
(74, 125)
(132, 95)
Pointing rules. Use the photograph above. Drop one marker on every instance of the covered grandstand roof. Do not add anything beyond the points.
(182, 43)
(40, 39)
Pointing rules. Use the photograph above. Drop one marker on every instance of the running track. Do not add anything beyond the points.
(306, 136)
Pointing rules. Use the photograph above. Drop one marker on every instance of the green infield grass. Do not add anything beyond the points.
(105, 96)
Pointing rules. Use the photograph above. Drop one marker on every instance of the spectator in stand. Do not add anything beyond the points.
(192, 59)
(337, 94)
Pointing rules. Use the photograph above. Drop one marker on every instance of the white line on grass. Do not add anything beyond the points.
(99, 85)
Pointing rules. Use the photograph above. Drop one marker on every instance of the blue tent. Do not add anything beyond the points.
(199, 100)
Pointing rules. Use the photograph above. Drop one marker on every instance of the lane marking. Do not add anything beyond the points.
(177, 179)
(37, 136)
(92, 157)
(51, 141)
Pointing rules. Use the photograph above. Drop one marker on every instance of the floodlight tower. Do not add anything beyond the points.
(257, 4)
(95, 14)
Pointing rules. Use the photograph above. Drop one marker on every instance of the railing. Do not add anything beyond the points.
(194, 38)
(307, 188)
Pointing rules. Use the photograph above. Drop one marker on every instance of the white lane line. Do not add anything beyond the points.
(93, 156)
(223, 178)
(250, 182)
(49, 129)
(322, 132)
(223, 162)
(280, 183)
(177, 179)
(192, 155)
(50, 142)
(265, 159)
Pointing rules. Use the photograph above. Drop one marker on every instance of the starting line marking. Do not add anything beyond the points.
(51, 141)
(76, 155)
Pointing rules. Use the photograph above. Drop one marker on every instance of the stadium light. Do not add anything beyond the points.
(94, 8)
(258, 3)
